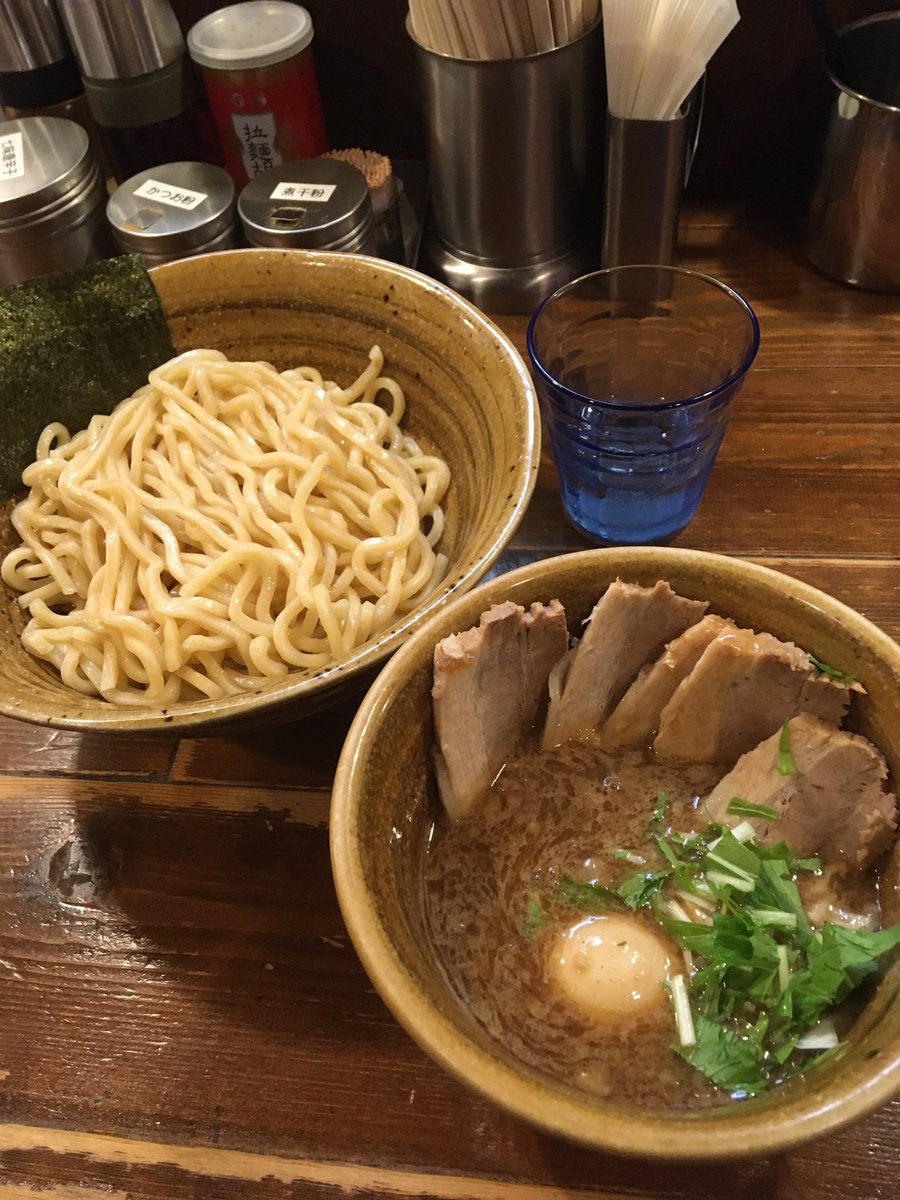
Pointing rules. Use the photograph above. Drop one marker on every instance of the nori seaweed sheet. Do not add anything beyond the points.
(73, 345)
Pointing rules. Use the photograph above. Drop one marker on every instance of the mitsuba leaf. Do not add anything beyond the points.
(732, 1062)
(534, 916)
(592, 896)
(636, 890)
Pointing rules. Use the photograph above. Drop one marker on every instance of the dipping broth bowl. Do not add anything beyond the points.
(469, 398)
(385, 787)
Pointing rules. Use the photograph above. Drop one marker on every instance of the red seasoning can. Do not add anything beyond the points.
(258, 71)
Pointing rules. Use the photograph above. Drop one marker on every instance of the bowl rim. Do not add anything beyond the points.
(727, 1131)
(201, 716)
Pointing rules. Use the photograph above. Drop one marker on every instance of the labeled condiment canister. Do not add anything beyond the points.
(257, 68)
(174, 211)
(316, 204)
(52, 199)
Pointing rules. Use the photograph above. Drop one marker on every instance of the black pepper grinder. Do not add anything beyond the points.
(140, 83)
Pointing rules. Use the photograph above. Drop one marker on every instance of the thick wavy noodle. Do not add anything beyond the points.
(225, 525)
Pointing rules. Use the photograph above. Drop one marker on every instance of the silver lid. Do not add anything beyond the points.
(314, 203)
(30, 35)
(48, 176)
(118, 39)
(173, 209)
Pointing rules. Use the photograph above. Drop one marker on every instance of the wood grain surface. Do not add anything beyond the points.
(181, 1012)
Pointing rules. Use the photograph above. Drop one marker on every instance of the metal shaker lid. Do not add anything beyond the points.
(314, 203)
(172, 209)
(32, 35)
(254, 34)
(42, 160)
(122, 38)
(50, 182)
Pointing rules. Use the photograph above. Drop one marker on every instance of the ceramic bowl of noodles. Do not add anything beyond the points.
(666, 923)
(242, 543)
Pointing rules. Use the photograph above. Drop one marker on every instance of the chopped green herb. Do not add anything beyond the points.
(836, 963)
(629, 856)
(785, 763)
(763, 978)
(592, 896)
(636, 890)
(748, 1015)
(534, 916)
(659, 812)
(733, 1062)
(831, 672)
(738, 807)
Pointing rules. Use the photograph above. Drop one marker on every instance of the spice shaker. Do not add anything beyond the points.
(315, 204)
(52, 199)
(257, 68)
(139, 82)
(174, 211)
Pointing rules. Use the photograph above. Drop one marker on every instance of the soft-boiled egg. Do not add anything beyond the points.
(609, 966)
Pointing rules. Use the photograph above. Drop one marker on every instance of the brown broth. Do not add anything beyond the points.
(552, 814)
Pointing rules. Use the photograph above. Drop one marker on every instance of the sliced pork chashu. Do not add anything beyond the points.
(836, 804)
(743, 688)
(489, 683)
(628, 628)
(635, 719)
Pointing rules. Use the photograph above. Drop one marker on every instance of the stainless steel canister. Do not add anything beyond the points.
(52, 199)
(312, 204)
(854, 220)
(122, 41)
(174, 211)
(515, 154)
(32, 36)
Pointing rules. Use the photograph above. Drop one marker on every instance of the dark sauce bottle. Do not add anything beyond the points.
(140, 84)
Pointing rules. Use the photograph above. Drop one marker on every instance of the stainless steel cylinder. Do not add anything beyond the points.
(118, 39)
(515, 161)
(645, 165)
(310, 204)
(174, 211)
(31, 35)
(52, 200)
(854, 218)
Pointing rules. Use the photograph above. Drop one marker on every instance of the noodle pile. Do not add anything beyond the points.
(225, 525)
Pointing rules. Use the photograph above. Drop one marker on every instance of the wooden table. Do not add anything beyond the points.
(181, 1012)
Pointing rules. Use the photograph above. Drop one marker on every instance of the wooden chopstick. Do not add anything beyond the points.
(498, 29)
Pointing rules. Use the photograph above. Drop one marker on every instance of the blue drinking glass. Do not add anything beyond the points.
(637, 369)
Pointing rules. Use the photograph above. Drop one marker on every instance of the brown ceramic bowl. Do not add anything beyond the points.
(384, 785)
(469, 397)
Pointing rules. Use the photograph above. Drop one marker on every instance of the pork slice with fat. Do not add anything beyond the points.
(744, 686)
(635, 719)
(836, 804)
(628, 627)
(489, 682)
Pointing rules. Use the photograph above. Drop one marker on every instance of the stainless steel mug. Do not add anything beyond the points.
(854, 219)
(515, 156)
